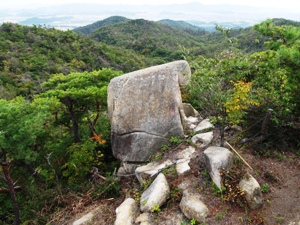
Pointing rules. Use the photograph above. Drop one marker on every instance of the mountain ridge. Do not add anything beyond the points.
(87, 13)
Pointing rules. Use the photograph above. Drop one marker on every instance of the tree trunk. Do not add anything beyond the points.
(264, 126)
(74, 122)
(75, 128)
(93, 124)
(12, 192)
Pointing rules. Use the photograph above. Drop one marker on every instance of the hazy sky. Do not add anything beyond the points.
(283, 4)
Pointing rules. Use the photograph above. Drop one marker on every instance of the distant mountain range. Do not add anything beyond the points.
(70, 16)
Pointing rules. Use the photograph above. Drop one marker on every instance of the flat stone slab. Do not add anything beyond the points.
(204, 125)
(183, 160)
(203, 139)
(156, 194)
(186, 153)
(147, 171)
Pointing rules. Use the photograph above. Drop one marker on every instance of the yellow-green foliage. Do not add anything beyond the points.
(240, 100)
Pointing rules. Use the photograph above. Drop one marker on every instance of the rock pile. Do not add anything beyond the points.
(191, 204)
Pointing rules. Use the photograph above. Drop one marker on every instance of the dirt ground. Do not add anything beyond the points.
(278, 175)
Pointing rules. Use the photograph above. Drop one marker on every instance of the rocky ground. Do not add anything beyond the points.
(278, 175)
(277, 172)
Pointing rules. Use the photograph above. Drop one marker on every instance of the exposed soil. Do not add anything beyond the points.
(279, 176)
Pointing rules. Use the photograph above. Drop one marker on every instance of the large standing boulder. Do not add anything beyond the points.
(144, 109)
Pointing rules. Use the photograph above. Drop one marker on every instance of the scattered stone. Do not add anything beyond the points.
(186, 184)
(192, 206)
(294, 223)
(189, 110)
(204, 138)
(126, 212)
(144, 109)
(86, 218)
(182, 166)
(217, 158)
(143, 173)
(237, 128)
(252, 191)
(183, 160)
(191, 119)
(129, 167)
(156, 194)
(186, 153)
(144, 219)
(174, 217)
(189, 116)
(204, 125)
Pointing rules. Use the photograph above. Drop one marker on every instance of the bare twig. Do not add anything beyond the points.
(239, 155)
(6, 190)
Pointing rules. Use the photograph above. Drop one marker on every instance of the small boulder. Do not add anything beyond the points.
(204, 125)
(189, 116)
(145, 172)
(192, 206)
(86, 218)
(252, 191)
(189, 110)
(156, 194)
(121, 171)
(183, 160)
(144, 219)
(126, 212)
(217, 158)
(203, 139)
(182, 166)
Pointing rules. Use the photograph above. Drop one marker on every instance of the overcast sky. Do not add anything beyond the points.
(283, 4)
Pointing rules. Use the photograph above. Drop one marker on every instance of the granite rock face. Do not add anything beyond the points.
(144, 109)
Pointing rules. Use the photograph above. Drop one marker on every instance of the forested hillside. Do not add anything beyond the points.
(182, 25)
(165, 40)
(30, 54)
(53, 107)
(109, 21)
(148, 38)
